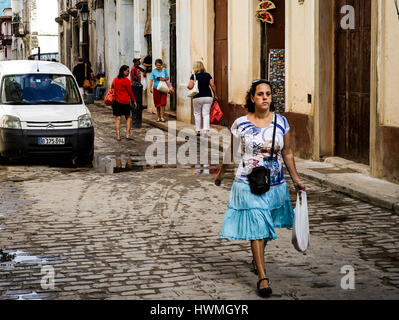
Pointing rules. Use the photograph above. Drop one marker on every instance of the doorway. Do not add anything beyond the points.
(352, 83)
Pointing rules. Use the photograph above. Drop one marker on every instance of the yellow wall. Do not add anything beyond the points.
(300, 55)
(388, 106)
(244, 48)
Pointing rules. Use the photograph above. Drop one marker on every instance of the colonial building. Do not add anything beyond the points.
(5, 35)
(21, 42)
(34, 29)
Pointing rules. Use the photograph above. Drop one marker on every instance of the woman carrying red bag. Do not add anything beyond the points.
(121, 105)
(202, 102)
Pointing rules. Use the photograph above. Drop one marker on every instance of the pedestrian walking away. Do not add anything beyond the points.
(123, 98)
(159, 74)
(82, 71)
(251, 216)
(202, 102)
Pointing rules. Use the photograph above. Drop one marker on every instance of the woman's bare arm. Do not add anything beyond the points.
(289, 160)
(213, 87)
(190, 84)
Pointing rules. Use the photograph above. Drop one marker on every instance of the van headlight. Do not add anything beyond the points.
(10, 122)
(85, 121)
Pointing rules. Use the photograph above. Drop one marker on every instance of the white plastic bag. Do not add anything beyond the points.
(163, 87)
(300, 233)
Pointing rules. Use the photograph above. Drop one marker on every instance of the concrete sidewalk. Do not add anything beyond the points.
(338, 174)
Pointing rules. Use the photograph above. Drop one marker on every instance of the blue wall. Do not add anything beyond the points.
(4, 4)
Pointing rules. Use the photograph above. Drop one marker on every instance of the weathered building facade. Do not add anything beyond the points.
(335, 85)
(342, 71)
(33, 28)
(21, 43)
(5, 35)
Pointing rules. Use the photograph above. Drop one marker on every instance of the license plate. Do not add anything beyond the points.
(51, 141)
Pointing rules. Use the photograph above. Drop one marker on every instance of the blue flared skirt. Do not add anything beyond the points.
(253, 217)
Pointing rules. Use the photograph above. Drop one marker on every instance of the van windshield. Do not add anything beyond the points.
(33, 89)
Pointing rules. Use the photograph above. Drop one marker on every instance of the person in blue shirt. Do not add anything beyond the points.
(159, 74)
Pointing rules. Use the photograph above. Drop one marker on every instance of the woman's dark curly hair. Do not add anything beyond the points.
(251, 94)
(122, 70)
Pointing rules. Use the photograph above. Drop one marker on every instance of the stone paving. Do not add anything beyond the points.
(154, 234)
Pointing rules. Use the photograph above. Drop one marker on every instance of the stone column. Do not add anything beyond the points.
(125, 26)
(111, 41)
(183, 54)
(140, 18)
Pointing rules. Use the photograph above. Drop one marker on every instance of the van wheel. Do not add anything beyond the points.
(85, 160)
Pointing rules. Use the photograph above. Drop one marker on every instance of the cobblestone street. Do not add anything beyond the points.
(154, 234)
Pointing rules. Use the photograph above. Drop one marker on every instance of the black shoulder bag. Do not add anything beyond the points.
(259, 178)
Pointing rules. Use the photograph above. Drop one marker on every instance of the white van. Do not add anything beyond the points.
(42, 112)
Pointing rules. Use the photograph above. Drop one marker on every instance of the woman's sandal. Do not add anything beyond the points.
(118, 139)
(129, 138)
(264, 292)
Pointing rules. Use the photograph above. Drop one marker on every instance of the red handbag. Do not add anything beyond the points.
(216, 113)
(110, 97)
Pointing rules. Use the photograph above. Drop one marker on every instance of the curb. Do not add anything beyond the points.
(380, 201)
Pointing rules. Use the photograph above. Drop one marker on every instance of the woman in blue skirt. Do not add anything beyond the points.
(255, 217)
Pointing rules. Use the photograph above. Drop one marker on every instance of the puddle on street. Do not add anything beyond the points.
(128, 162)
(26, 295)
(12, 258)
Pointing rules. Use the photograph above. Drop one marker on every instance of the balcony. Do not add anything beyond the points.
(59, 20)
(64, 15)
(80, 4)
(5, 40)
(72, 11)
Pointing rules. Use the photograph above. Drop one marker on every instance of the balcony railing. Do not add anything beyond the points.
(5, 40)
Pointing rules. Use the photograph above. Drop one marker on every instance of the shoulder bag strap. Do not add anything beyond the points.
(274, 138)
(85, 71)
(273, 141)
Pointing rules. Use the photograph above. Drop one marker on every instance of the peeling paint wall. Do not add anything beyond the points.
(244, 49)
(300, 55)
(389, 65)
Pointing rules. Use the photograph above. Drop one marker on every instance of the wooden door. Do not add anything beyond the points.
(172, 54)
(221, 56)
(352, 83)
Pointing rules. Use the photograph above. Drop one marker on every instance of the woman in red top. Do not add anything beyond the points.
(121, 106)
(136, 71)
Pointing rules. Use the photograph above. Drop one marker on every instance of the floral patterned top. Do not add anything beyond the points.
(256, 144)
